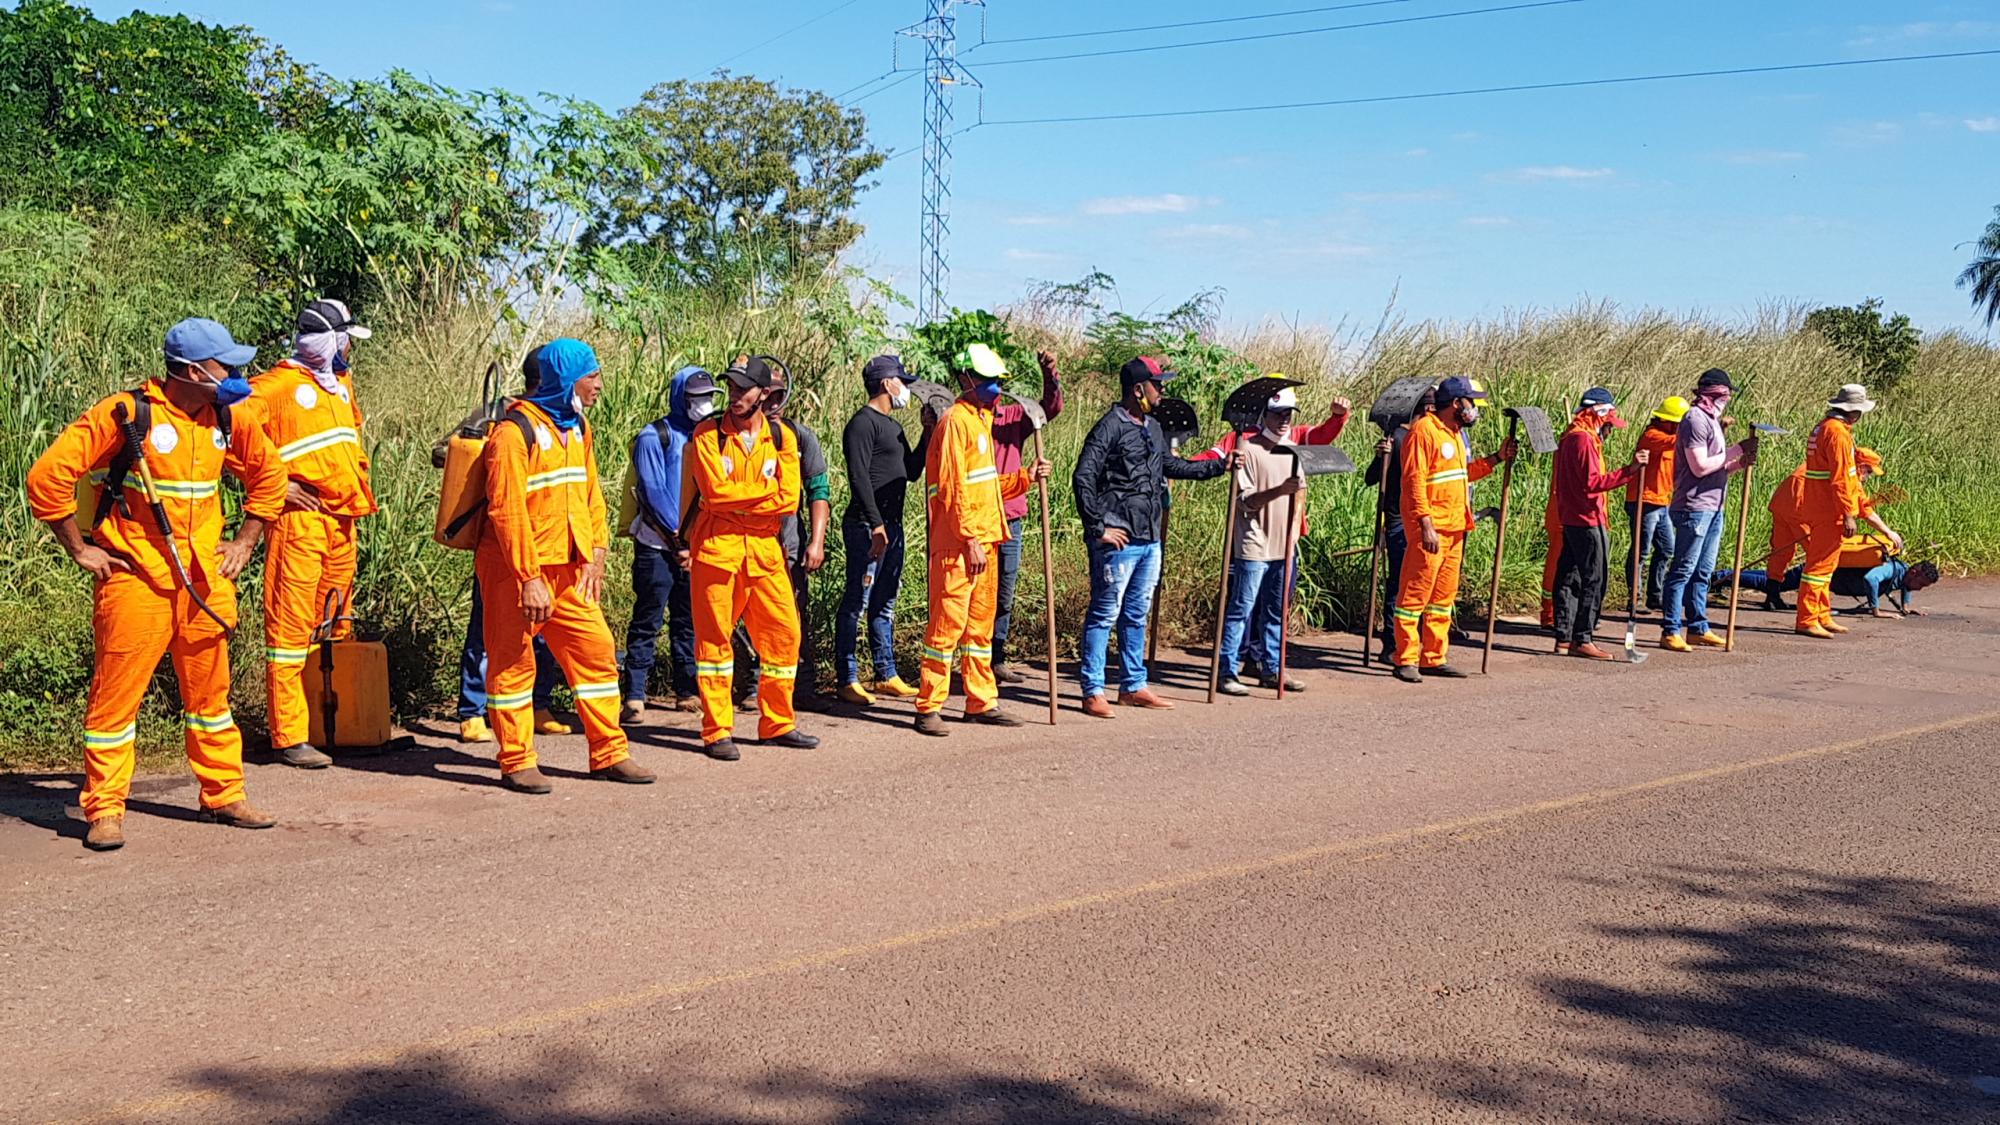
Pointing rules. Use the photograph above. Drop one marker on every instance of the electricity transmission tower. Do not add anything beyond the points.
(939, 32)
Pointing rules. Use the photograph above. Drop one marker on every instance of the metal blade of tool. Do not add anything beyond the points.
(1397, 404)
(1541, 434)
(1244, 409)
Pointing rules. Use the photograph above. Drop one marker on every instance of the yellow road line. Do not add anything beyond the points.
(1359, 850)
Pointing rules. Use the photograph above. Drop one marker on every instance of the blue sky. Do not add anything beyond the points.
(1714, 194)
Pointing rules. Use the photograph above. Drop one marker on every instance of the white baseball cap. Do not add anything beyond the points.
(1283, 400)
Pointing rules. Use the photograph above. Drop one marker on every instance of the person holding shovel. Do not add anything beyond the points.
(1437, 472)
(1270, 487)
(163, 575)
(1655, 487)
(1120, 481)
(1579, 494)
(967, 494)
(1013, 429)
(1251, 651)
(1703, 460)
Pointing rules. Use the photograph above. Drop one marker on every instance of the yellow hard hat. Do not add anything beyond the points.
(1672, 410)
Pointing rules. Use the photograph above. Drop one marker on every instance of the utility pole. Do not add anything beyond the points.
(939, 32)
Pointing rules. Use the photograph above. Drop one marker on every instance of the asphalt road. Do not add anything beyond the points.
(1762, 886)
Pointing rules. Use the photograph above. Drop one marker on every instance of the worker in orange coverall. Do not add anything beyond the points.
(308, 410)
(1437, 510)
(155, 596)
(1788, 520)
(739, 480)
(540, 562)
(967, 498)
(1832, 504)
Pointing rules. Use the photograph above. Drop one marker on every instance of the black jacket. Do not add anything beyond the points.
(1120, 478)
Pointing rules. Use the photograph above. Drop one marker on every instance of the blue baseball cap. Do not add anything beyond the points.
(1460, 386)
(198, 338)
(1597, 396)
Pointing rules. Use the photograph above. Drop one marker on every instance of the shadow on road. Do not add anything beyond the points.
(1823, 998)
(567, 1087)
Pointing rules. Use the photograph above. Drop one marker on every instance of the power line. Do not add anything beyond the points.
(1284, 34)
(1471, 91)
(859, 85)
(907, 75)
(1188, 23)
(788, 31)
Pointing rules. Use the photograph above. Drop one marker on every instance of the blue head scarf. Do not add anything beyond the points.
(563, 362)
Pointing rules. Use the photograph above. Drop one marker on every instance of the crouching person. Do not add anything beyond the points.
(162, 587)
(540, 563)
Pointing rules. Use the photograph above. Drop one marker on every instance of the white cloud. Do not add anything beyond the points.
(1927, 31)
(1763, 156)
(1017, 254)
(1487, 221)
(1229, 231)
(1331, 248)
(1558, 172)
(1868, 132)
(1983, 124)
(1169, 204)
(1036, 221)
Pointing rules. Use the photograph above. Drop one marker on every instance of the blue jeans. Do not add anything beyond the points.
(659, 586)
(1010, 572)
(1121, 591)
(1252, 627)
(1656, 550)
(472, 666)
(1684, 598)
(872, 585)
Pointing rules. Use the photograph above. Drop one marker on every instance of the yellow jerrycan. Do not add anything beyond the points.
(347, 684)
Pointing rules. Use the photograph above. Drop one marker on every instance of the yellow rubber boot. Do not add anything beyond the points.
(1674, 642)
(474, 730)
(1710, 640)
(547, 723)
(895, 688)
(856, 694)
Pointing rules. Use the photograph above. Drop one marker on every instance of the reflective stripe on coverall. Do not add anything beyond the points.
(144, 614)
(317, 435)
(740, 493)
(1436, 483)
(1832, 495)
(545, 518)
(967, 498)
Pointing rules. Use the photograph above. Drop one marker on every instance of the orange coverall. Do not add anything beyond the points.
(1832, 496)
(143, 614)
(967, 495)
(1436, 480)
(545, 518)
(318, 436)
(736, 490)
(1788, 520)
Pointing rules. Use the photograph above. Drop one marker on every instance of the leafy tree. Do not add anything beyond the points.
(140, 111)
(1883, 351)
(733, 162)
(1982, 276)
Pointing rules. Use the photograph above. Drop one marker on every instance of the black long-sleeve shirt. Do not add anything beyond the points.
(1120, 478)
(880, 464)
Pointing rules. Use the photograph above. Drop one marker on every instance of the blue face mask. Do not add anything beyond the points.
(339, 364)
(987, 392)
(232, 390)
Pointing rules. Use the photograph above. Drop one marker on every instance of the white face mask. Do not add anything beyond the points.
(900, 399)
(700, 409)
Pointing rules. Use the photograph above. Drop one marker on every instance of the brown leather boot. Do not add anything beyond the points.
(931, 723)
(107, 834)
(627, 771)
(1144, 697)
(237, 814)
(1096, 707)
(530, 780)
(993, 717)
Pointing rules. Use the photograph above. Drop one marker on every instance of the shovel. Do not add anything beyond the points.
(1743, 532)
(1038, 419)
(1179, 422)
(1632, 653)
(1541, 439)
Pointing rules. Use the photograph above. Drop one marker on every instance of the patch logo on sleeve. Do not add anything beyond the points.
(1447, 451)
(164, 438)
(215, 435)
(544, 438)
(306, 397)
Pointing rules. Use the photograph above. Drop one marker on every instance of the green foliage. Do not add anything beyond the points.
(1982, 274)
(934, 349)
(1882, 351)
(730, 163)
(138, 111)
